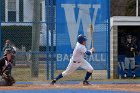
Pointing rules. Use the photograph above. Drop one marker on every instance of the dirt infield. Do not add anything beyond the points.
(114, 87)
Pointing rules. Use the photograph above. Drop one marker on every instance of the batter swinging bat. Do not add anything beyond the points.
(91, 34)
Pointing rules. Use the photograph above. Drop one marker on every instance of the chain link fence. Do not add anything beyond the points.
(30, 25)
(23, 22)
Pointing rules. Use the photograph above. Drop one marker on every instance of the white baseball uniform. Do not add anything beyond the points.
(77, 60)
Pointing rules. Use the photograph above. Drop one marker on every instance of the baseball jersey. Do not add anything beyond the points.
(78, 53)
(128, 51)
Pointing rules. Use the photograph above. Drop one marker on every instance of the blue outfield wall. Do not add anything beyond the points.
(74, 17)
(121, 59)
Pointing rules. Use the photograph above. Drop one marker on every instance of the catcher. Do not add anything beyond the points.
(9, 46)
(5, 69)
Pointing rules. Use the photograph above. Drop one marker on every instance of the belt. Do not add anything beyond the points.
(76, 62)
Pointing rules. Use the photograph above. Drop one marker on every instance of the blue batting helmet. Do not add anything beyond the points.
(81, 38)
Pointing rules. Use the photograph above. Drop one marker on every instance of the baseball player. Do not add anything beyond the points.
(9, 46)
(130, 49)
(5, 69)
(77, 60)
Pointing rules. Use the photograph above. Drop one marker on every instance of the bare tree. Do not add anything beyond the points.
(118, 7)
(131, 8)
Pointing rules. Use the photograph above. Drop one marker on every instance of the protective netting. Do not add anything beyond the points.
(31, 26)
(23, 22)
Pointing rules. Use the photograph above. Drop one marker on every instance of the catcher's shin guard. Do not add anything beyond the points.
(10, 81)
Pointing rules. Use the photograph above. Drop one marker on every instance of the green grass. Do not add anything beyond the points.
(22, 73)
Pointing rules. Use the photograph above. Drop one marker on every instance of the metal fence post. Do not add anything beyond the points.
(108, 68)
(52, 36)
(0, 27)
(47, 40)
(35, 38)
(137, 7)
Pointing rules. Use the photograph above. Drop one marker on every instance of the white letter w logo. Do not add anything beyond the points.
(83, 16)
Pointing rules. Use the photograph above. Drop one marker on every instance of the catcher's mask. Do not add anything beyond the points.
(7, 51)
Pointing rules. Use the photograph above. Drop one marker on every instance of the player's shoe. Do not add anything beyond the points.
(53, 82)
(125, 75)
(134, 76)
(85, 82)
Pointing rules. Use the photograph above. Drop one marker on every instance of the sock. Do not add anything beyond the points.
(125, 71)
(59, 76)
(133, 71)
(88, 74)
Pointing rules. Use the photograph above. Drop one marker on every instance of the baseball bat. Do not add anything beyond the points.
(92, 41)
(91, 34)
